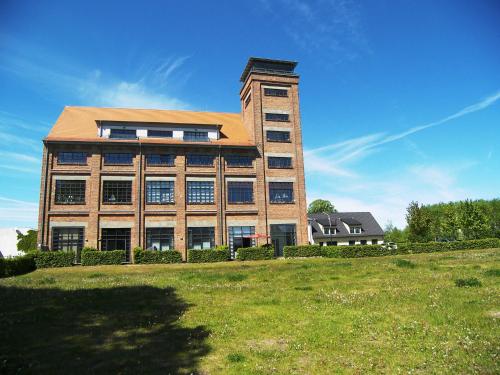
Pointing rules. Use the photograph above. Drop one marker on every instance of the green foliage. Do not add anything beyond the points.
(431, 247)
(17, 265)
(208, 256)
(493, 272)
(93, 257)
(27, 242)
(221, 247)
(419, 223)
(393, 234)
(403, 263)
(255, 253)
(321, 206)
(235, 357)
(467, 283)
(358, 251)
(302, 251)
(473, 221)
(156, 257)
(49, 259)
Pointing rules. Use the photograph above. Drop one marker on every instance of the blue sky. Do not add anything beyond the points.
(400, 100)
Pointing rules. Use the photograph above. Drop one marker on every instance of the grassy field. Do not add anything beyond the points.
(402, 314)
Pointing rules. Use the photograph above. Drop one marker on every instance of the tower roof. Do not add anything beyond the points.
(269, 66)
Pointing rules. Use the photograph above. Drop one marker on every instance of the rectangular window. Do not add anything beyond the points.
(278, 162)
(116, 239)
(352, 243)
(239, 161)
(330, 230)
(374, 241)
(201, 238)
(72, 158)
(70, 192)
(278, 136)
(248, 100)
(160, 192)
(160, 239)
(239, 192)
(282, 235)
(198, 160)
(355, 230)
(200, 192)
(67, 239)
(118, 158)
(275, 92)
(160, 133)
(123, 133)
(277, 117)
(117, 192)
(331, 243)
(160, 159)
(281, 192)
(363, 242)
(196, 136)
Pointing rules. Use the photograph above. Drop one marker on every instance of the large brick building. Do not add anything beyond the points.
(163, 179)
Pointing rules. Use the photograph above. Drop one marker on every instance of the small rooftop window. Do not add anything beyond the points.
(196, 136)
(123, 133)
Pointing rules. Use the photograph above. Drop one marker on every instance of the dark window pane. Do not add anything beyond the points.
(281, 192)
(277, 117)
(160, 239)
(72, 158)
(279, 162)
(158, 159)
(196, 136)
(200, 160)
(160, 133)
(70, 192)
(282, 235)
(275, 92)
(201, 237)
(240, 192)
(352, 243)
(278, 136)
(117, 192)
(67, 239)
(118, 158)
(123, 133)
(160, 192)
(239, 161)
(374, 241)
(116, 239)
(200, 192)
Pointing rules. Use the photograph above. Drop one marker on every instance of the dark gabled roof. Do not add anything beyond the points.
(369, 225)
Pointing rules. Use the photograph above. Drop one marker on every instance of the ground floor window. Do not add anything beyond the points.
(282, 235)
(160, 239)
(201, 237)
(331, 243)
(374, 241)
(352, 243)
(239, 237)
(363, 242)
(116, 239)
(68, 239)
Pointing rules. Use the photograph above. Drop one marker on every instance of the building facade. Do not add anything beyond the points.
(177, 180)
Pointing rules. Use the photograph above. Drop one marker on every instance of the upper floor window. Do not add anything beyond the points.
(70, 192)
(118, 158)
(275, 92)
(200, 192)
(277, 117)
(72, 158)
(196, 136)
(160, 159)
(123, 133)
(278, 136)
(355, 230)
(198, 160)
(279, 162)
(160, 133)
(281, 192)
(239, 161)
(240, 192)
(330, 230)
(117, 192)
(160, 192)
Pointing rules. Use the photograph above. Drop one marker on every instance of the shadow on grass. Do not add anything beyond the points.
(116, 330)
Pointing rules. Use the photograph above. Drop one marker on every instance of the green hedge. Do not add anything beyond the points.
(358, 251)
(93, 257)
(302, 251)
(255, 253)
(17, 265)
(48, 259)
(208, 256)
(154, 257)
(430, 247)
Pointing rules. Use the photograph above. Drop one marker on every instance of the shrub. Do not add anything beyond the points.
(17, 265)
(222, 247)
(358, 251)
(430, 247)
(155, 257)
(47, 259)
(208, 256)
(93, 257)
(467, 283)
(255, 253)
(302, 251)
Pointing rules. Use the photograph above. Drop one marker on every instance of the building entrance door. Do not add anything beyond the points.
(238, 237)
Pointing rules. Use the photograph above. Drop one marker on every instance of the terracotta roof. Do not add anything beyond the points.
(80, 124)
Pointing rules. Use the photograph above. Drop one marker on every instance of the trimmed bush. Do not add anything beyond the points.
(156, 257)
(222, 247)
(17, 265)
(48, 259)
(208, 256)
(430, 247)
(302, 251)
(94, 257)
(358, 251)
(255, 253)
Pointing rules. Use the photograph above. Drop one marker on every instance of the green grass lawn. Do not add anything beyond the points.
(402, 314)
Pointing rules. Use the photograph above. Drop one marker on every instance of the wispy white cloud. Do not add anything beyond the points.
(19, 157)
(17, 213)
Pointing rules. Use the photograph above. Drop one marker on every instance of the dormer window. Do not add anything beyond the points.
(123, 133)
(355, 230)
(330, 230)
(160, 133)
(196, 136)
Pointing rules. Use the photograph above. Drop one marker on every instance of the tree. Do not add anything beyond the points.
(27, 242)
(473, 220)
(449, 223)
(419, 223)
(321, 206)
(393, 234)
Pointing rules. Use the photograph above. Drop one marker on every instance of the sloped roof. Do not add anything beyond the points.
(369, 225)
(80, 124)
